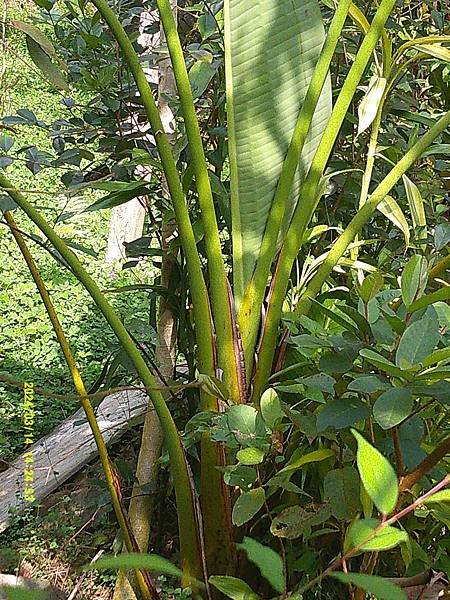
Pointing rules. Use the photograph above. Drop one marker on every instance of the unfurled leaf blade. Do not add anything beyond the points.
(418, 340)
(267, 79)
(149, 562)
(36, 34)
(442, 496)
(42, 60)
(341, 487)
(371, 285)
(297, 460)
(414, 279)
(271, 409)
(416, 203)
(368, 107)
(232, 587)
(435, 50)
(392, 407)
(367, 536)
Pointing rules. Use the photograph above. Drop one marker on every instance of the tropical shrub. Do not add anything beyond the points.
(313, 333)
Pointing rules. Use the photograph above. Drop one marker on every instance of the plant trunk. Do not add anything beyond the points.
(141, 504)
(127, 224)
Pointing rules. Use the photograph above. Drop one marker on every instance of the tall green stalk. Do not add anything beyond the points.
(213, 498)
(201, 309)
(191, 551)
(219, 547)
(145, 585)
(221, 305)
(250, 310)
(309, 192)
(342, 243)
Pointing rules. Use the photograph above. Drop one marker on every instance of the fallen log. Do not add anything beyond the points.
(41, 589)
(64, 451)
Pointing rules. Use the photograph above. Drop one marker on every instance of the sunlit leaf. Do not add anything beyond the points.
(368, 107)
(370, 286)
(392, 211)
(438, 497)
(414, 279)
(271, 409)
(367, 535)
(378, 476)
(266, 84)
(435, 50)
(149, 562)
(416, 204)
(297, 460)
(250, 456)
(233, 588)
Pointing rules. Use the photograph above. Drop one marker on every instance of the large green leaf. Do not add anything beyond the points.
(271, 50)
(382, 588)
(377, 475)
(267, 560)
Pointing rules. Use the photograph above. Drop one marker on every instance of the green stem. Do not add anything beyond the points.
(147, 592)
(250, 310)
(309, 196)
(219, 547)
(205, 343)
(221, 306)
(187, 518)
(360, 20)
(370, 162)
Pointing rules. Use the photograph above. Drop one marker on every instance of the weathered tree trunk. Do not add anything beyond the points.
(127, 224)
(141, 505)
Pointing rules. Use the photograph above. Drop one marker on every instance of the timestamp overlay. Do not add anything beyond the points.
(28, 418)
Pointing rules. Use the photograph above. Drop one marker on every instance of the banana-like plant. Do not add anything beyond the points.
(282, 127)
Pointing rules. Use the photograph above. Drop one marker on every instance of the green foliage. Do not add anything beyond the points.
(18, 594)
(268, 562)
(379, 587)
(341, 487)
(266, 85)
(377, 475)
(367, 535)
(363, 352)
(233, 588)
(150, 562)
(392, 407)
